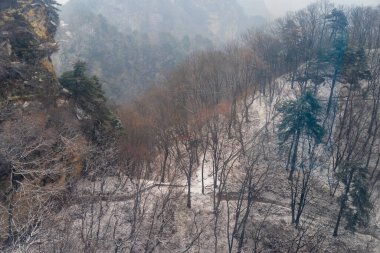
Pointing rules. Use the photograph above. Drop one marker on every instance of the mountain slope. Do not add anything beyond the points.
(127, 63)
(218, 20)
(42, 141)
(131, 44)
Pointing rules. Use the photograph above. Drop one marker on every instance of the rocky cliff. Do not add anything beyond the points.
(27, 30)
(41, 141)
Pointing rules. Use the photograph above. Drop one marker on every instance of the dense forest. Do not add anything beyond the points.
(270, 143)
(129, 45)
(127, 63)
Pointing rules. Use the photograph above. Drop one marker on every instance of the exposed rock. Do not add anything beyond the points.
(61, 102)
(37, 124)
(5, 48)
(81, 114)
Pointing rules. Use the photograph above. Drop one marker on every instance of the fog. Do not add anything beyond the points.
(280, 7)
(277, 8)
(62, 1)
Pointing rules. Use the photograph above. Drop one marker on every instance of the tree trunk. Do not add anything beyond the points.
(293, 162)
(231, 121)
(294, 190)
(189, 192)
(203, 177)
(343, 203)
(301, 205)
(166, 154)
(245, 218)
(190, 174)
(331, 93)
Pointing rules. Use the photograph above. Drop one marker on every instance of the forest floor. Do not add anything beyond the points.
(199, 229)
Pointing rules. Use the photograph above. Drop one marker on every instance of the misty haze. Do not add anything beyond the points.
(189, 126)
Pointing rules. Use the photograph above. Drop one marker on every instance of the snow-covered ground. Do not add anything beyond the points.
(157, 218)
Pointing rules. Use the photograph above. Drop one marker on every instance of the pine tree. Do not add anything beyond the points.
(299, 117)
(300, 124)
(355, 204)
(87, 92)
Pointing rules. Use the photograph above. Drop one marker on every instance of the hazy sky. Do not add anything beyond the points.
(280, 7)
(62, 1)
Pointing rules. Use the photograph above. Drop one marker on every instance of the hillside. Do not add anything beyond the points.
(131, 44)
(270, 144)
(127, 63)
(216, 20)
(43, 140)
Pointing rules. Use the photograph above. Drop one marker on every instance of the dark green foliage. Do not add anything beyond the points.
(300, 123)
(52, 14)
(333, 57)
(301, 116)
(349, 63)
(355, 204)
(87, 92)
(338, 24)
(355, 66)
(333, 53)
(358, 213)
(80, 69)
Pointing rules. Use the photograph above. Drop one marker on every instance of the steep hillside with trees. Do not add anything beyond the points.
(126, 63)
(133, 44)
(270, 144)
(43, 140)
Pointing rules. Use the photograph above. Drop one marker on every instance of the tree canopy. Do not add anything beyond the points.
(87, 92)
(300, 116)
